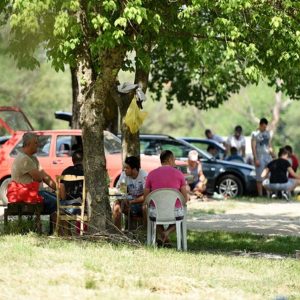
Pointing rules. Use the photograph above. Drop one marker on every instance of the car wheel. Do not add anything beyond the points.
(3, 190)
(230, 186)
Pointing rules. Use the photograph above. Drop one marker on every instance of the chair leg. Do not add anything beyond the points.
(184, 234)
(5, 217)
(149, 232)
(178, 234)
(153, 225)
(81, 227)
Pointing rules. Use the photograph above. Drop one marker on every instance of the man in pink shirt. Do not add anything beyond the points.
(166, 176)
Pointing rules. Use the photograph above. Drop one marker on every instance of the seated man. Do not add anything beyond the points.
(234, 156)
(211, 149)
(166, 176)
(26, 169)
(198, 186)
(135, 178)
(279, 181)
(71, 191)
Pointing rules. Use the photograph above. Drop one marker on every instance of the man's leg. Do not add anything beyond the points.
(117, 214)
(50, 207)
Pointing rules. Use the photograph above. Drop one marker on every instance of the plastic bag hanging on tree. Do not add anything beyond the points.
(134, 117)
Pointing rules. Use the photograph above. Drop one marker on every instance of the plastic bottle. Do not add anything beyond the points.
(123, 186)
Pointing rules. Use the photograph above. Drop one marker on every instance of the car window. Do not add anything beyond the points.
(43, 149)
(177, 148)
(199, 145)
(150, 147)
(64, 145)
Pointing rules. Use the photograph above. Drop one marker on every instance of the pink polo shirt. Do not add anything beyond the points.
(165, 177)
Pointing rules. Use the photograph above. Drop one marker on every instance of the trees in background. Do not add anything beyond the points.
(204, 50)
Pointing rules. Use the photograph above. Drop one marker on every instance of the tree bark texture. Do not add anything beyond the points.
(94, 90)
(75, 124)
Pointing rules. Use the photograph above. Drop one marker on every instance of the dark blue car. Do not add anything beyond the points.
(226, 178)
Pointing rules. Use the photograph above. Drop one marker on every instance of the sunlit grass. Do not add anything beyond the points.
(35, 267)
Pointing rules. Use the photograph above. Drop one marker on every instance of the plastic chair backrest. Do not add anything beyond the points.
(164, 200)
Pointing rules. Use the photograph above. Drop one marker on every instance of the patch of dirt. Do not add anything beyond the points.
(273, 218)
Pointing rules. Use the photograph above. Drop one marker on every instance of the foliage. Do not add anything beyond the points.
(39, 93)
(220, 46)
(190, 121)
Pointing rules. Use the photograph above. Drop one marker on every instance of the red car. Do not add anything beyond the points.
(55, 147)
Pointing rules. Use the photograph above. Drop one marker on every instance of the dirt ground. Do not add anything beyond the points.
(276, 217)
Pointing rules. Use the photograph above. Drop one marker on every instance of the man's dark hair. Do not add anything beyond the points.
(207, 131)
(233, 151)
(282, 151)
(289, 148)
(238, 128)
(263, 121)
(77, 157)
(211, 147)
(133, 162)
(165, 155)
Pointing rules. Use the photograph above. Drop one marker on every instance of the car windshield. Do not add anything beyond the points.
(112, 143)
(11, 119)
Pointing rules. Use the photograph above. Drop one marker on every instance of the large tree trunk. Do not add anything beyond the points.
(93, 92)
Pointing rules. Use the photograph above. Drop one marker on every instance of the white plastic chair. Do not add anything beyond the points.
(164, 201)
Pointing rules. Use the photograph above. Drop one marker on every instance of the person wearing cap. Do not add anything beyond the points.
(198, 186)
(238, 141)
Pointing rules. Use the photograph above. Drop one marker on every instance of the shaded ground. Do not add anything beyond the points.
(277, 217)
(280, 218)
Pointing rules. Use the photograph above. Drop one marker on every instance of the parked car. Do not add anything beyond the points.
(55, 147)
(227, 178)
(202, 144)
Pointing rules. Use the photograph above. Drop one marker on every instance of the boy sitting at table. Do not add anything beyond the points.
(134, 178)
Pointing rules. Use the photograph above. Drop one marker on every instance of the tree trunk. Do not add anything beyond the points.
(111, 115)
(94, 89)
(75, 124)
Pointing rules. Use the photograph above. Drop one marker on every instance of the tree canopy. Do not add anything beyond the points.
(204, 49)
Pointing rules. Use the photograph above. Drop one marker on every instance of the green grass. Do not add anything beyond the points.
(36, 267)
(229, 241)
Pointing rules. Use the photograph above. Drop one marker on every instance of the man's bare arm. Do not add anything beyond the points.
(265, 173)
(36, 175)
(184, 193)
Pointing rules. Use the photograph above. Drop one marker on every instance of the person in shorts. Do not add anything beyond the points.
(262, 151)
(278, 170)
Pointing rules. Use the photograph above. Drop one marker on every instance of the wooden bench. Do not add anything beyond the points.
(24, 209)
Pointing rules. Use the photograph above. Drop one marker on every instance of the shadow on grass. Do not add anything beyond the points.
(228, 241)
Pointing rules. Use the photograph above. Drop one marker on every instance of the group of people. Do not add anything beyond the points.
(235, 145)
(26, 169)
(140, 184)
(272, 174)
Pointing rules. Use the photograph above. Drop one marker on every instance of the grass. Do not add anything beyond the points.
(35, 267)
(219, 241)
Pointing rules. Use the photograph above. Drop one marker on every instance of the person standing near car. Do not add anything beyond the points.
(262, 151)
(208, 133)
(238, 141)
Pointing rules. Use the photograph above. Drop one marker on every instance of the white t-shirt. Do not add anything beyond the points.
(135, 186)
(232, 141)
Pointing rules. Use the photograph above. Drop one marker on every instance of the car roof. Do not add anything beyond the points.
(157, 136)
(208, 141)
